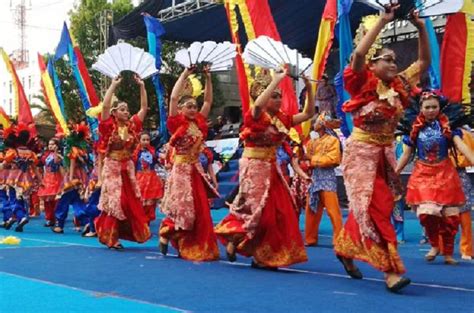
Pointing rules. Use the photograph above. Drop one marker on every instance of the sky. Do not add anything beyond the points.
(44, 19)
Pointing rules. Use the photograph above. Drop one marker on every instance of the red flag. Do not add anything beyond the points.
(264, 24)
(456, 58)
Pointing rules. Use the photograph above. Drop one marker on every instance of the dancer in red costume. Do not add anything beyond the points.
(151, 187)
(435, 189)
(122, 215)
(52, 180)
(23, 175)
(378, 95)
(188, 223)
(262, 222)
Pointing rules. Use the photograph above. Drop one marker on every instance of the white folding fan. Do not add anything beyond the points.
(426, 7)
(125, 57)
(271, 54)
(218, 56)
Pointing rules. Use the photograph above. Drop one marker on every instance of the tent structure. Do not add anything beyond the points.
(297, 22)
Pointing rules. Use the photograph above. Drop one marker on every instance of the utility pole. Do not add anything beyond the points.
(20, 56)
(106, 19)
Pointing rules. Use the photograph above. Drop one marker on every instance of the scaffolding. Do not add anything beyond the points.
(181, 8)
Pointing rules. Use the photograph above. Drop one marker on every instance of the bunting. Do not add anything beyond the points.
(50, 96)
(22, 107)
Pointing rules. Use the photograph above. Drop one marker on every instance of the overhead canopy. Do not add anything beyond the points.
(297, 22)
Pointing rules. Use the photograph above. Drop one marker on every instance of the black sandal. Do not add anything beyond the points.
(355, 273)
(117, 246)
(399, 285)
(163, 248)
(262, 267)
(231, 256)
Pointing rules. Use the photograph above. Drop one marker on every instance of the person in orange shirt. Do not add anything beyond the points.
(324, 154)
(461, 162)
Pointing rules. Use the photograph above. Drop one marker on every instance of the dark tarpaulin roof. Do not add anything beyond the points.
(297, 22)
(131, 25)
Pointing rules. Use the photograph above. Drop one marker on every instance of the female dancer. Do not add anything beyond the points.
(151, 187)
(262, 222)
(435, 189)
(52, 180)
(188, 223)
(378, 94)
(122, 215)
(22, 177)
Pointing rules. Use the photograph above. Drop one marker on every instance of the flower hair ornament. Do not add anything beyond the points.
(192, 87)
(261, 81)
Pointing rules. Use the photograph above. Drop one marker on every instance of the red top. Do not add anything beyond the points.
(265, 131)
(362, 87)
(183, 137)
(110, 138)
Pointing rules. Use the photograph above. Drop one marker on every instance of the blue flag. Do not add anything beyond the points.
(154, 31)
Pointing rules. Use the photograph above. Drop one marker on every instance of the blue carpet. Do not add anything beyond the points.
(81, 275)
(39, 296)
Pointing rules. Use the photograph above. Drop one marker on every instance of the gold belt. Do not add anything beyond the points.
(373, 138)
(119, 155)
(262, 153)
(185, 158)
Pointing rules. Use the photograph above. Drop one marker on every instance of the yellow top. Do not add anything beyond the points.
(324, 151)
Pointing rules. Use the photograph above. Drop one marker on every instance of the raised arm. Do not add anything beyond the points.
(108, 97)
(424, 54)
(358, 57)
(206, 107)
(309, 108)
(263, 98)
(143, 98)
(404, 159)
(178, 87)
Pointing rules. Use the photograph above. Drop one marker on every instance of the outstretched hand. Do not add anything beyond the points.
(116, 80)
(138, 80)
(189, 70)
(415, 19)
(389, 14)
(280, 74)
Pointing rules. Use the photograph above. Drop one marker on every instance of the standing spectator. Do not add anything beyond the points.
(326, 97)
